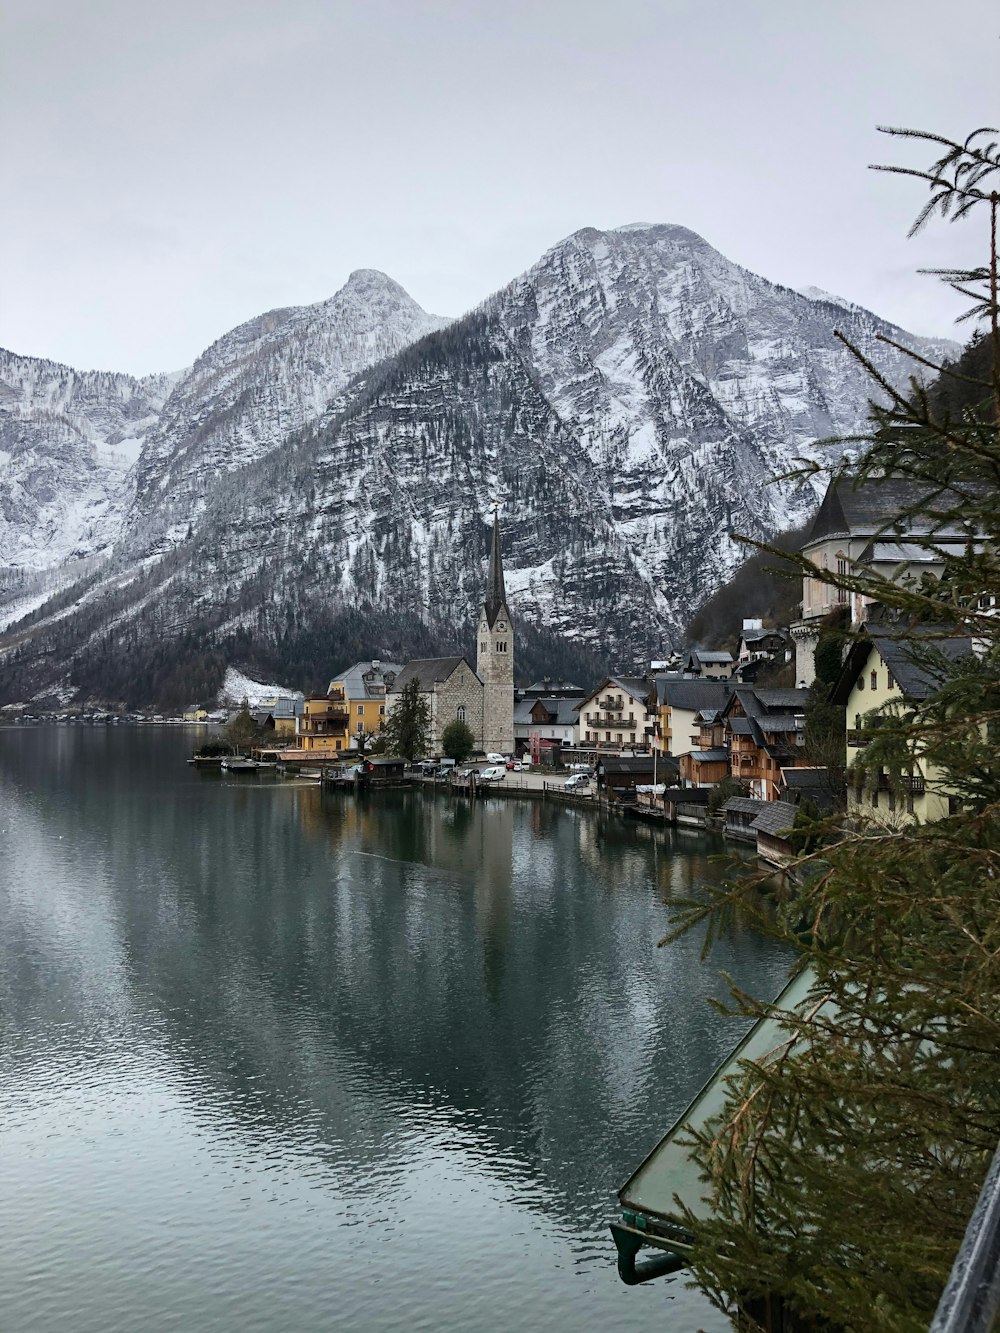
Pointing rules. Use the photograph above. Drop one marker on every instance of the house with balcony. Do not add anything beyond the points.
(681, 704)
(321, 729)
(619, 714)
(363, 688)
(887, 675)
(765, 732)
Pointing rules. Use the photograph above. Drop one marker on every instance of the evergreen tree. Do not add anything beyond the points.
(457, 741)
(406, 730)
(844, 1168)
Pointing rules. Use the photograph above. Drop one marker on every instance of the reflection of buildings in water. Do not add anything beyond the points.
(492, 967)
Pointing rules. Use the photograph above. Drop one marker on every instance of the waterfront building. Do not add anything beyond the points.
(765, 732)
(886, 674)
(362, 689)
(680, 704)
(321, 728)
(620, 712)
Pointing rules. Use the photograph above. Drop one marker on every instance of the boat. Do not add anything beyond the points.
(237, 764)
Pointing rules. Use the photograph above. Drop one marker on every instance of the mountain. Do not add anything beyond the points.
(253, 388)
(627, 401)
(67, 441)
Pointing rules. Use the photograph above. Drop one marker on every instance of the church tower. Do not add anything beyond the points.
(495, 658)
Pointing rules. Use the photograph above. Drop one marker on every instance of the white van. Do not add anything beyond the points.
(495, 774)
(497, 759)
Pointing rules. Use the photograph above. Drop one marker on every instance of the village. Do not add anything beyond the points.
(723, 738)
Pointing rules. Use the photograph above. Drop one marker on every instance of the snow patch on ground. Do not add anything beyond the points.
(236, 687)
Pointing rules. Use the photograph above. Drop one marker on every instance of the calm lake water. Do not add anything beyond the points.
(273, 1059)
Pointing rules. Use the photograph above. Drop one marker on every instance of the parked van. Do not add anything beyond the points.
(577, 782)
(497, 759)
(496, 773)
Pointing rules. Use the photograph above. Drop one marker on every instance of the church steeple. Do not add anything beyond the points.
(496, 593)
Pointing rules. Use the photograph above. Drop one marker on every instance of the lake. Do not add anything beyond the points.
(279, 1059)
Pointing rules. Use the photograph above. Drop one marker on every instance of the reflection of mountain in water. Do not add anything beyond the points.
(351, 975)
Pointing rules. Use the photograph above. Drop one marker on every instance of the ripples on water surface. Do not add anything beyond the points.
(272, 1059)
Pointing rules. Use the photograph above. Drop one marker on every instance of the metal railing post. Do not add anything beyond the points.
(971, 1297)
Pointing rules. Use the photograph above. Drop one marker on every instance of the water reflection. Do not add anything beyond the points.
(395, 1022)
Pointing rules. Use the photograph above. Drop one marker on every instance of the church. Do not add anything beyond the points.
(482, 698)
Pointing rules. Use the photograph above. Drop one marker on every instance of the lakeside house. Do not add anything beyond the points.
(765, 730)
(362, 689)
(321, 729)
(550, 718)
(680, 704)
(889, 672)
(621, 711)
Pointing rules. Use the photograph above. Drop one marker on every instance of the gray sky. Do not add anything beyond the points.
(173, 167)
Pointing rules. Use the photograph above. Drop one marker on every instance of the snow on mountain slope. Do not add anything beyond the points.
(67, 441)
(628, 401)
(253, 388)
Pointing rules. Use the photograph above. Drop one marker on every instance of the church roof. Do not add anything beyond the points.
(429, 671)
(496, 593)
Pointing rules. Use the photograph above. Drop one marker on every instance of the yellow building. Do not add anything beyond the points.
(322, 727)
(881, 679)
(362, 689)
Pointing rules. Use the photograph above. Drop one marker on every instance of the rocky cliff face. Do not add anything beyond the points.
(67, 441)
(627, 401)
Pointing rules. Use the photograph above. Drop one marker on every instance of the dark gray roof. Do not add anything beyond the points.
(739, 726)
(629, 764)
(744, 805)
(429, 671)
(547, 688)
(776, 818)
(806, 777)
(704, 655)
(692, 695)
(917, 656)
(709, 756)
(865, 509)
(792, 700)
(755, 635)
(566, 710)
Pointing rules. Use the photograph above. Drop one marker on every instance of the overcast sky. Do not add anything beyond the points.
(173, 167)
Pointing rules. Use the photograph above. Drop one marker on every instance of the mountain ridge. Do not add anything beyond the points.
(626, 399)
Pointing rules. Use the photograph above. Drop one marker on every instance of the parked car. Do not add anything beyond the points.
(497, 759)
(577, 782)
(496, 773)
(522, 766)
(581, 768)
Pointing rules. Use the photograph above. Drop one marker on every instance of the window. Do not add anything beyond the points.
(874, 680)
(381, 710)
(618, 738)
(482, 647)
(338, 745)
(861, 682)
(875, 799)
(502, 625)
(361, 710)
(607, 735)
(461, 712)
(890, 679)
(501, 645)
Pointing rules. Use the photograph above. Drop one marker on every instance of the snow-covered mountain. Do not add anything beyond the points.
(67, 441)
(254, 388)
(627, 400)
